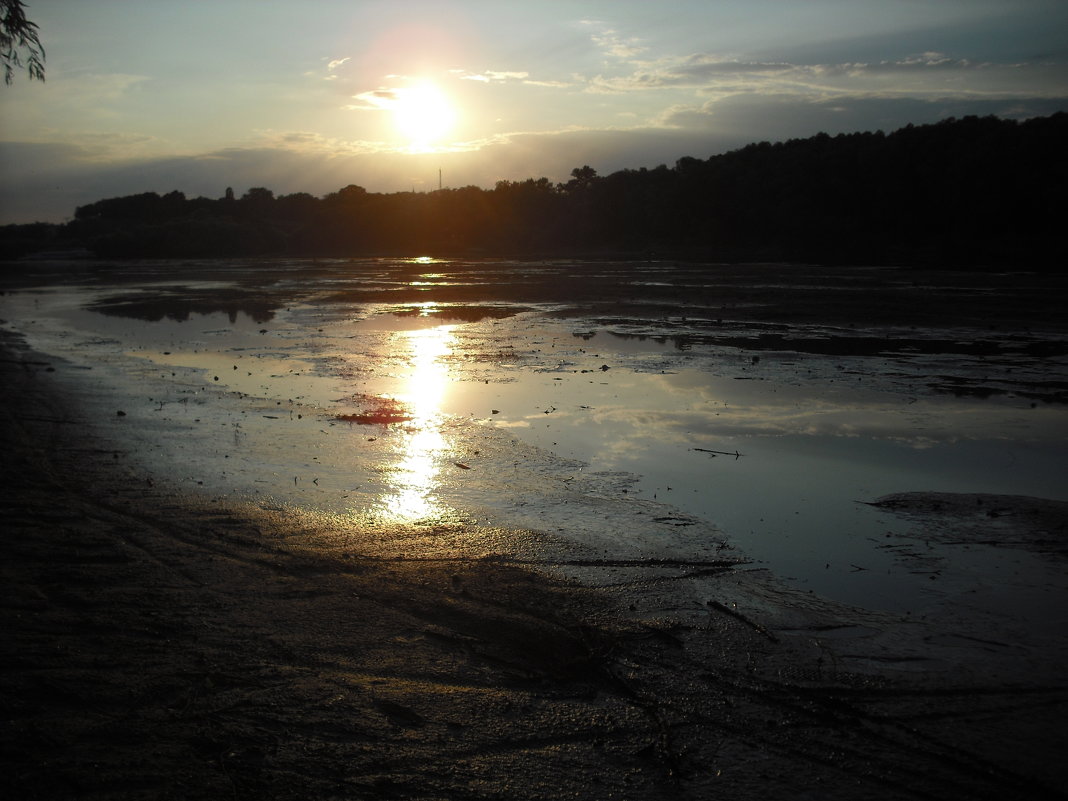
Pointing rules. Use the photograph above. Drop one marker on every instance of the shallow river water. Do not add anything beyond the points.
(635, 410)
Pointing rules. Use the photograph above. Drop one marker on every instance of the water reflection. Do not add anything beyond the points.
(414, 480)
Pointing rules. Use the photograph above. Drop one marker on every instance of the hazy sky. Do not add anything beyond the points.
(309, 96)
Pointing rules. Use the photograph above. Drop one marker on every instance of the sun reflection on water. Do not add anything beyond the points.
(414, 480)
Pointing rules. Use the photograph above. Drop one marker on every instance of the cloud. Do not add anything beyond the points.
(507, 76)
(332, 67)
(492, 76)
(48, 181)
(313, 143)
(921, 62)
(612, 43)
(928, 74)
(609, 41)
(786, 116)
(701, 68)
(701, 72)
(99, 146)
(551, 84)
(375, 100)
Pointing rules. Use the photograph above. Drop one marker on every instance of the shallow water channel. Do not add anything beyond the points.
(631, 424)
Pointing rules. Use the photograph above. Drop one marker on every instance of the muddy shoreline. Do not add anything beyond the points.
(167, 639)
(160, 645)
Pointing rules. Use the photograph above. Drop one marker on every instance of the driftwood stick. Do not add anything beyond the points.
(735, 454)
(740, 617)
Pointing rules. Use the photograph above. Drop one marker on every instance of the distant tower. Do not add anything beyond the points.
(229, 193)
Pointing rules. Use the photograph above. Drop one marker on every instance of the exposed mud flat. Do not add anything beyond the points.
(1007, 521)
(487, 612)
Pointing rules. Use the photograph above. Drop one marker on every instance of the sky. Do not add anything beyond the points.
(311, 96)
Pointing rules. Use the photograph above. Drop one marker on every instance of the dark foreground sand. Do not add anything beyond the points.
(156, 647)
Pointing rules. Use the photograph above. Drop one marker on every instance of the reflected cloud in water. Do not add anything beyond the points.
(422, 444)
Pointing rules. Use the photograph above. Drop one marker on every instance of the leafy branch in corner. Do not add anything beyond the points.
(18, 34)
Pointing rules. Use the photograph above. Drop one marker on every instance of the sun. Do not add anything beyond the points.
(422, 115)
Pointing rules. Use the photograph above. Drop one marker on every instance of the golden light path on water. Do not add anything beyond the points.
(423, 444)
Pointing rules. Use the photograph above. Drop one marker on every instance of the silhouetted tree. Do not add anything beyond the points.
(258, 196)
(582, 178)
(20, 44)
(349, 195)
(970, 192)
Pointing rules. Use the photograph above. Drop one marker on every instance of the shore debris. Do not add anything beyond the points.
(735, 454)
(379, 417)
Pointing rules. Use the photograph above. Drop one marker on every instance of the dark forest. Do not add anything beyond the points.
(971, 192)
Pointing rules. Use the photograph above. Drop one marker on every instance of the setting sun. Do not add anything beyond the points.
(422, 115)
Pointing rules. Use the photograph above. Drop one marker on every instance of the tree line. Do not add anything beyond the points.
(975, 191)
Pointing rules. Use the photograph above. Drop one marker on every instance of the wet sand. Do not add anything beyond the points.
(158, 645)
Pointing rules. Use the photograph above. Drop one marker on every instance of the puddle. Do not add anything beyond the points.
(805, 458)
(631, 434)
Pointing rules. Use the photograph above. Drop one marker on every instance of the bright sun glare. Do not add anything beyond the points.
(415, 479)
(423, 115)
